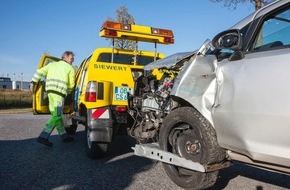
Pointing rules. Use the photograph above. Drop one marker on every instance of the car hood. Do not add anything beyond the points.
(169, 62)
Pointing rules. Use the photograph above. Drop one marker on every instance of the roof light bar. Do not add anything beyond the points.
(163, 32)
(116, 26)
(138, 33)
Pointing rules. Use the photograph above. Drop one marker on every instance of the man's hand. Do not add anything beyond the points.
(32, 86)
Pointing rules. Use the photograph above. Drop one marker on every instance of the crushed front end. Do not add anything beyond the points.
(151, 101)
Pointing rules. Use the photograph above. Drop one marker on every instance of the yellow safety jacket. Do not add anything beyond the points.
(60, 77)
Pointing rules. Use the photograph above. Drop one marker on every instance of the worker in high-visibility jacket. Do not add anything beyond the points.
(60, 80)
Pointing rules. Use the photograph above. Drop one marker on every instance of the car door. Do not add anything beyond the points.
(40, 99)
(80, 82)
(253, 111)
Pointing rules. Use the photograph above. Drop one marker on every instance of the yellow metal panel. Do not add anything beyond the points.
(141, 29)
(111, 75)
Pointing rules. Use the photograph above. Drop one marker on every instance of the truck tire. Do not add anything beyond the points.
(71, 130)
(95, 150)
(187, 133)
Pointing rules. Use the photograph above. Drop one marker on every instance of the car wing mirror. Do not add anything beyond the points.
(229, 39)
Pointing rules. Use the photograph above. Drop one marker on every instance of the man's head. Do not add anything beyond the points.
(68, 56)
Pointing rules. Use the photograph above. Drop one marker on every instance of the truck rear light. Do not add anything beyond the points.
(112, 25)
(163, 32)
(91, 96)
(110, 33)
(121, 108)
(91, 92)
(168, 40)
(116, 26)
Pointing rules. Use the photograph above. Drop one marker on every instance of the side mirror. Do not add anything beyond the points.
(229, 39)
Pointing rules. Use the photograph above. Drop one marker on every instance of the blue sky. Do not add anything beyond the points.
(30, 28)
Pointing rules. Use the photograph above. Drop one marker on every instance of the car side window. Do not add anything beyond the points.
(274, 32)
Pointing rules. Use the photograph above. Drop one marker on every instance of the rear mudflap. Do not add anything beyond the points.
(100, 124)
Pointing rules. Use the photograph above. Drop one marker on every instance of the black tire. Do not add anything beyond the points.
(95, 150)
(186, 133)
(71, 130)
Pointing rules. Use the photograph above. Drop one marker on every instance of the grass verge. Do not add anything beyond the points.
(15, 110)
(15, 101)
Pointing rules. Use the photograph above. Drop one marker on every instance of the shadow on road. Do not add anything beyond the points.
(239, 169)
(25, 164)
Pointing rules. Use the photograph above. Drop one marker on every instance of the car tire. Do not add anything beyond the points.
(181, 130)
(95, 150)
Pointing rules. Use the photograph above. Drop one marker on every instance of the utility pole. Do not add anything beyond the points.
(21, 81)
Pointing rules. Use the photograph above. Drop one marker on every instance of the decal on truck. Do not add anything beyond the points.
(100, 113)
(110, 67)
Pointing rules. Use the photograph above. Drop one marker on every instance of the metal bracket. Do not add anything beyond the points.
(154, 152)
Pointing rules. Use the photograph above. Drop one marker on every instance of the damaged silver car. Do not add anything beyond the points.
(229, 100)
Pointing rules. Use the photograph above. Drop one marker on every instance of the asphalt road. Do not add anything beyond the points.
(25, 164)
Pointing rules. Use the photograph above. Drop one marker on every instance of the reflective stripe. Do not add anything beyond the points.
(56, 87)
(36, 77)
(56, 80)
(101, 113)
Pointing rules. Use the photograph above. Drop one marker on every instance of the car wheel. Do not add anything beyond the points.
(189, 135)
(95, 150)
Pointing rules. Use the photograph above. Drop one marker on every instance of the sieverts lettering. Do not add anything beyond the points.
(110, 67)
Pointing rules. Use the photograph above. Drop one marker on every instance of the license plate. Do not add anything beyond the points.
(121, 92)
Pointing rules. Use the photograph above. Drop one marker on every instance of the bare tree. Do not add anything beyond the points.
(233, 3)
(123, 16)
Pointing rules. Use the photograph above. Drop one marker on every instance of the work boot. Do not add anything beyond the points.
(44, 141)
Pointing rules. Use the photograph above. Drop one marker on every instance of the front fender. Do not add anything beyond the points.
(196, 84)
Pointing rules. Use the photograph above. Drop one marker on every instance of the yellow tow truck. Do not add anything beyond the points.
(103, 81)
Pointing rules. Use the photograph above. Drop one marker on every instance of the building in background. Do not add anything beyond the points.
(7, 84)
